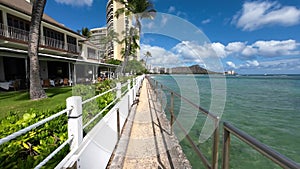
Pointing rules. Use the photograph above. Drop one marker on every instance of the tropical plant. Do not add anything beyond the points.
(147, 55)
(113, 61)
(109, 39)
(36, 91)
(135, 66)
(140, 9)
(86, 32)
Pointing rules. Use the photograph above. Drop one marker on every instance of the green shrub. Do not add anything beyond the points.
(30, 149)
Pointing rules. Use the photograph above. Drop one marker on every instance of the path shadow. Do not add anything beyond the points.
(153, 111)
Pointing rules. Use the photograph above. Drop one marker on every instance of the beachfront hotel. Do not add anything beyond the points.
(65, 56)
(119, 25)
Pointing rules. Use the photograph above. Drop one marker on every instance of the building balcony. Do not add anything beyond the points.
(20, 36)
(8, 32)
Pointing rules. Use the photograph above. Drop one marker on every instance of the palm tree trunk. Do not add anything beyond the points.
(127, 52)
(36, 91)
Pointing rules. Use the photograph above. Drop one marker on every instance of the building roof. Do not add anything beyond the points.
(26, 8)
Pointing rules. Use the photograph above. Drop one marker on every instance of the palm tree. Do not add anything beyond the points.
(36, 91)
(141, 9)
(147, 55)
(109, 40)
(86, 32)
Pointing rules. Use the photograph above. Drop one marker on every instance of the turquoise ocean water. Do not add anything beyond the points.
(266, 107)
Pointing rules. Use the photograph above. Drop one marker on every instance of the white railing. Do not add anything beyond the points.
(75, 126)
(72, 48)
(14, 33)
(96, 148)
(23, 35)
(54, 43)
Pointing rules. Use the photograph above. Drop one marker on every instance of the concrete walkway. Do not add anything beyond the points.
(146, 141)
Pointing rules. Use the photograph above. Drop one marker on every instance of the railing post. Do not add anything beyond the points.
(134, 80)
(226, 146)
(161, 98)
(216, 140)
(132, 97)
(75, 129)
(133, 93)
(155, 90)
(128, 84)
(119, 92)
(118, 124)
(172, 111)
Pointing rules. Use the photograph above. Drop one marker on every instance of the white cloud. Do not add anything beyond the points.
(149, 25)
(276, 48)
(219, 49)
(164, 20)
(171, 9)
(272, 48)
(258, 14)
(206, 21)
(231, 65)
(182, 14)
(284, 64)
(252, 63)
(235, 47)
(249, 51)
(268, 49)
(273, 66)
(190, 52)
(160, 56)
(76, 2)
(193, 51)
(248, 64)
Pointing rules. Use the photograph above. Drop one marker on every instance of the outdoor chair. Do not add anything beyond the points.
(46, 83)
(66, 82)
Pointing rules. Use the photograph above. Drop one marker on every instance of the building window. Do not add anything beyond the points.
(1, 19)
(17, 22)
(53, 34)
(72, 44)
(71, 40)
(92, 53)
(53, 38)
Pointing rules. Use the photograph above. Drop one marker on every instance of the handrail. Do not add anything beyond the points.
(67, 110)
(99, 95)
(199, 153)
(76, 157)
(125, 84)
(258, 146)
(25, 130)
(95, 117)
(228, 128)
(191, 103)
(204, 160)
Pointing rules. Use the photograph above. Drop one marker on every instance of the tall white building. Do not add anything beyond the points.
(118, 25)
(97, 38)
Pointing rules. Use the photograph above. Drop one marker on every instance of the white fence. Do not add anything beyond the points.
(96, 148)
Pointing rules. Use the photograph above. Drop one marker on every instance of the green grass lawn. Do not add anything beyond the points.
(18, 101)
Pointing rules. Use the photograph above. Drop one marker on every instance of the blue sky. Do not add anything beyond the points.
(245, 36)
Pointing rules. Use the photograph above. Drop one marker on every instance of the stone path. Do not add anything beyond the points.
(146, 141)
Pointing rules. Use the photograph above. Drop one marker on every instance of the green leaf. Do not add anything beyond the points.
(26, 116)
